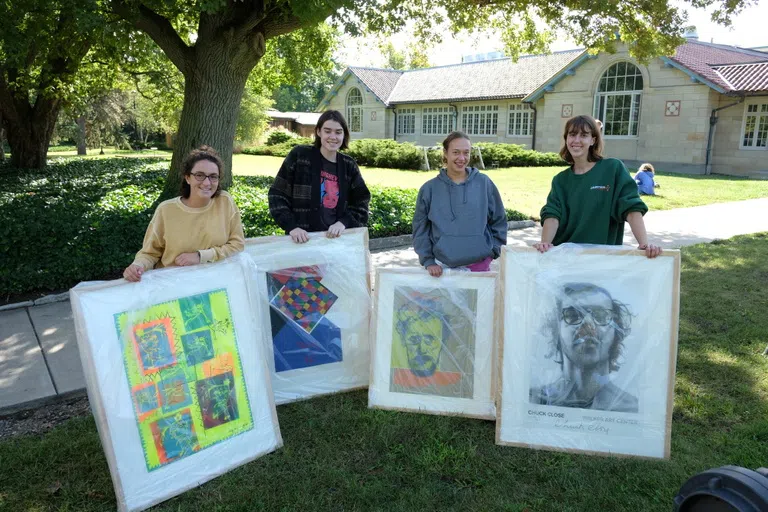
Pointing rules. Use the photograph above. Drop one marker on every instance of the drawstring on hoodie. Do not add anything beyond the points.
(449, 184)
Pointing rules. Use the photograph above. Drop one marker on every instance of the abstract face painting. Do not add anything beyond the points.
(433, 342)
(184, 372)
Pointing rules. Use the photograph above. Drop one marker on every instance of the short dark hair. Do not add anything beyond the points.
(583, 124)
(621, 322)
(194, 156)
(332, 115)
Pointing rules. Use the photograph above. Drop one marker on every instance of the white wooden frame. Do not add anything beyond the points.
(651, 289)
(95, 308)
(380, 396)
(346, 261)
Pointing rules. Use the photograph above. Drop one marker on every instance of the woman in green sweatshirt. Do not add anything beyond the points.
(590, 201)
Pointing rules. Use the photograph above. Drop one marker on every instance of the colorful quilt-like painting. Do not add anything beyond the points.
(302, 334)
(185, 375)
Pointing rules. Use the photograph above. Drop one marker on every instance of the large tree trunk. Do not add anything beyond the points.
(30, 131)
(212, 93)
(81, 147)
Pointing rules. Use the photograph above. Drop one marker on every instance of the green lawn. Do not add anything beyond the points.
(110, 152)
(340, 455)
(525, 188)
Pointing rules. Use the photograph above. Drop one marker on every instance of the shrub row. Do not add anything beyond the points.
(81, 219)
(282, 149)
(405, 155)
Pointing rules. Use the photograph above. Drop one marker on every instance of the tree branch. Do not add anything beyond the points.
(159, 29)
(256, 15)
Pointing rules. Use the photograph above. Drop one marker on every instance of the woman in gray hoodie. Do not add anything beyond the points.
(460, 221)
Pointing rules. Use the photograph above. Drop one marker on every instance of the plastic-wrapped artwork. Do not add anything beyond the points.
(589, 349)
(315, 299)
(434, 342)
(176, 378)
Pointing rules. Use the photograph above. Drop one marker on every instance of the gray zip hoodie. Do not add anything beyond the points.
(459, 223)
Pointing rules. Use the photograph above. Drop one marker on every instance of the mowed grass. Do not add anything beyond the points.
(525, 189)
(340, 455)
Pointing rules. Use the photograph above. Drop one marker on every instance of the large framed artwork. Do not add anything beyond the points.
(176, 378)
(589, 349)
(315, 301)
(434, 342)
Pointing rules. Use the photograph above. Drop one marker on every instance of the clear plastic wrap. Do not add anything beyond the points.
(434, 341)
(176, 379)
(315, 304)
(589, 349)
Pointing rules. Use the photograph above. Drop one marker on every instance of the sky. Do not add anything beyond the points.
(748, 30)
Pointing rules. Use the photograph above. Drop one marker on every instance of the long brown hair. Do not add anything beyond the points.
(332, 115)
(583, 124)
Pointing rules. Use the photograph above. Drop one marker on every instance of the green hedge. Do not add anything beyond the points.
(81, 219)
(282, 149)
(386, 153)
(404, 155)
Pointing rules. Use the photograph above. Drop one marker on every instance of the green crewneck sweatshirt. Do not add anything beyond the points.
(592, 207)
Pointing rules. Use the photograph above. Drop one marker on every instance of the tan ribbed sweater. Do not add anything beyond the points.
(215, 230)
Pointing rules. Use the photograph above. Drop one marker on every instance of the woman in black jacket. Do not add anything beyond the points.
(319, 189)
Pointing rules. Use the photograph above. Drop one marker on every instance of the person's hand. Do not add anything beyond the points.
(542, 247)
(299, 236)
(133, 273)
(435, 270)
(335, 230)
(188, 258)
(651, 251)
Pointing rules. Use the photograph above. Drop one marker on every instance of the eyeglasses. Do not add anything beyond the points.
(575, 316)
(200, 176)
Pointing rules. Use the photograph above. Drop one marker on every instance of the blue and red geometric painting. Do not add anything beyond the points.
(302, 334)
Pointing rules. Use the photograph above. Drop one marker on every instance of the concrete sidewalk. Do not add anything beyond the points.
(39, 361)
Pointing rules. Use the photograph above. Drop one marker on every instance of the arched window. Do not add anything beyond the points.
(355, 110)
(617, 100)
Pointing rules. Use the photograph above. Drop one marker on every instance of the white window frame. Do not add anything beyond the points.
(436, 120)
(354, 110)
(761, 116)
(525, 113)
(480, 120)
(406, 121)
(635, 106)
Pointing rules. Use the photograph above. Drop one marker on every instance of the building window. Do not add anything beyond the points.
(355, 110)
(755, 126)
(480, 119)
(520, 120)
(406, 121)
(436, 120)
(617, 101)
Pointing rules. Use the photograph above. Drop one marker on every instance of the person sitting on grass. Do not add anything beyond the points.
(460, 221)
(200, 226)
(590, 201)
(644, 179)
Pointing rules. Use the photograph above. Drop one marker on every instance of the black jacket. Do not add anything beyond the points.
(294, 197)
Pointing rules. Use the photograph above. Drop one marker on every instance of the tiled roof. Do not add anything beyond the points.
(493, 79)
(745, 77)
(379, 81)
(702, 58)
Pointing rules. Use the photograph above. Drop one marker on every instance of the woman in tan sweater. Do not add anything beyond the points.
(200, 226)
